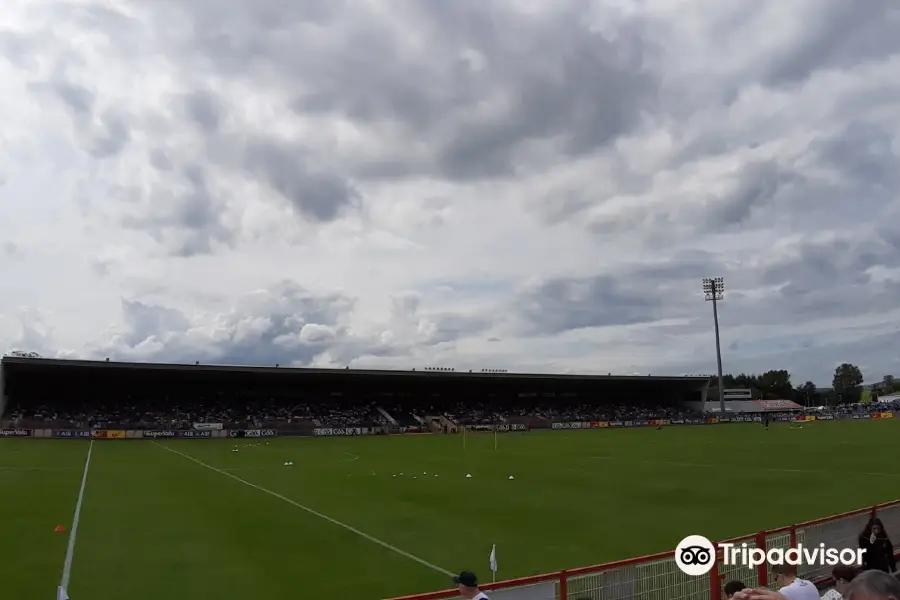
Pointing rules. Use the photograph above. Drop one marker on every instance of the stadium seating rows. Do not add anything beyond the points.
(132, 414)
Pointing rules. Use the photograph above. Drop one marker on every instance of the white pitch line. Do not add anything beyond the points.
(73, 533)
(352, 457)
(313, 512)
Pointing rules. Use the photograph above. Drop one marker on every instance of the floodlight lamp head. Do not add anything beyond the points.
(713, 288)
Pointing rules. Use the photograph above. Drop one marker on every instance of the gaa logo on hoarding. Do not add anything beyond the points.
(695, 555)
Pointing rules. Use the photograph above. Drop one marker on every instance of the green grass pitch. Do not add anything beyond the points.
(157, 525)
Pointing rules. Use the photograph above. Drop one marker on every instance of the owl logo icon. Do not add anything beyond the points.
(695, 555)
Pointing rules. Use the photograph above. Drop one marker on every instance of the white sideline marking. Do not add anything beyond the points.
(352, 457)
(745, 468)
(313, 512)
(73, 533)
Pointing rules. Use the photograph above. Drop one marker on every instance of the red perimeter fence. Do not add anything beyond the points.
(657, 577)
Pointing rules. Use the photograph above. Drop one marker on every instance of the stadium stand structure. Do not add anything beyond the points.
(749, 406)
(99, 394)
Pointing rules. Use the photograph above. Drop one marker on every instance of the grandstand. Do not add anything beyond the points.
(748, 406)
(122, 395)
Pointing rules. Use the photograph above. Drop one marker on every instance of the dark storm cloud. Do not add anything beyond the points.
(550, 77)
(819, 264)
(104, 135)
(821, 280)
(317, 195)
(889, 233)
(160, 160)
(450, 327)
(838, 35)
(751, 193)
(185, 223)
(826, 279)
(145, 321)
(812, 281)
(11, 250)
(684, 266)
(109, 136)
(19, 49)
(569, 83)
(863, 153)
(204, 109)
(563, 304)
(642, 293)
(755, 187)
(77, 98)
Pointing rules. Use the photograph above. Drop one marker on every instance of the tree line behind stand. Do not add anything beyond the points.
(847, 387)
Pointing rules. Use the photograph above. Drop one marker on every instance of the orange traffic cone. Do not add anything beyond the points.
(59, 529)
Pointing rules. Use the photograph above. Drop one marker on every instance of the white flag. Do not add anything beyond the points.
(494, 558)
(61, 593)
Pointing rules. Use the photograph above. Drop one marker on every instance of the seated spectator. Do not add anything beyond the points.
(873, 585)
(843, 575)
(733, 587)
(792, 587)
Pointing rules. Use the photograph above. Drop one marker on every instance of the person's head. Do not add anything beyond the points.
(468, 584)
(873, 585)
(784, 574)
(843, 575)
(874, 526)
(733, 587)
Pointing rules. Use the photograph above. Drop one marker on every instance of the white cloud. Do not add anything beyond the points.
(472, 184)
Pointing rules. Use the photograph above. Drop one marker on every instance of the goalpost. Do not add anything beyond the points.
(465, 436)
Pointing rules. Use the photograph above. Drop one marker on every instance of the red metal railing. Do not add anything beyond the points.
(657, 577)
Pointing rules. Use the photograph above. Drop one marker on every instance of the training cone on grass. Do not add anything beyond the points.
(59, 529)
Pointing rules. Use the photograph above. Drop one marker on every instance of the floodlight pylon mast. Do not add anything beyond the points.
(713, 291)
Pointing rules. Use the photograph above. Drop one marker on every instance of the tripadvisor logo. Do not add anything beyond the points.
(695, 555)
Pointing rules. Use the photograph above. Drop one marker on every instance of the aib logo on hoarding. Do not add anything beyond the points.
(695, 555)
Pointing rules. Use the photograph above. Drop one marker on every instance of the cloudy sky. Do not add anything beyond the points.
(520, 184)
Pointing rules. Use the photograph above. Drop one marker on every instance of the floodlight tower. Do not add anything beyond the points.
(713, 291)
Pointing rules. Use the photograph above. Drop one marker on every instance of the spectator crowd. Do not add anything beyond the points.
(874, 579)
(231, 412)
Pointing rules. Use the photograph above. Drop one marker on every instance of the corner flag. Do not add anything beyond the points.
(493, 561)
(61, 593)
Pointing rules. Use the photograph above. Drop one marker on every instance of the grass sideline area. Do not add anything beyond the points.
(155, 524)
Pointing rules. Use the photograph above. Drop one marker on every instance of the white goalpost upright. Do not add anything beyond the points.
(465, 437)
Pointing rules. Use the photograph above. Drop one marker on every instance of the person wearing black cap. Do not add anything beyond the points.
(468, 586)
(733, 587)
